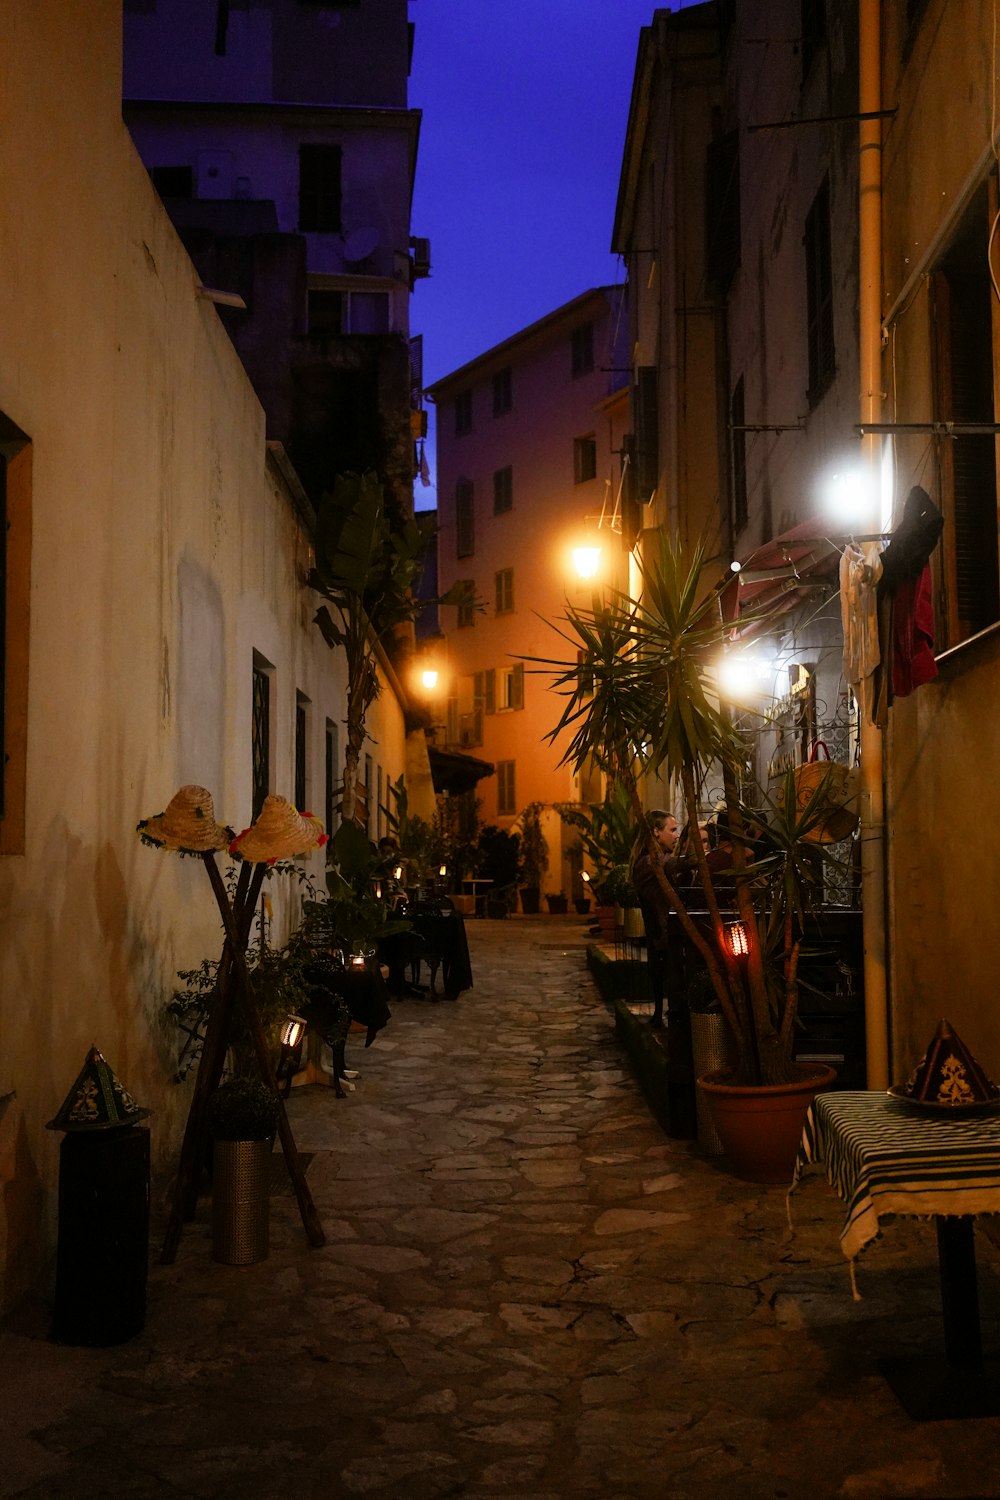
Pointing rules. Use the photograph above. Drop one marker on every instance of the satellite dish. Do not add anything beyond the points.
(360, 243)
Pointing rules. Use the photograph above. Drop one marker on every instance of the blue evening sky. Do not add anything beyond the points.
(524, 112)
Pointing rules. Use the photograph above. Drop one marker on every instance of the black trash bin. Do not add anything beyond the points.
(102, 1254)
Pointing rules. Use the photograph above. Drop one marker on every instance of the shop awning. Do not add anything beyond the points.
(454, 772)
(779, 575)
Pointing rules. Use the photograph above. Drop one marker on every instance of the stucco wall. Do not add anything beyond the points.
(942, 748)
(165, 553)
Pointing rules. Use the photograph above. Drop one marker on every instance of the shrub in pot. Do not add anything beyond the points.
(642, 672)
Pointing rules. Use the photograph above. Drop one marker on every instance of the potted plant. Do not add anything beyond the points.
(558, 903)
(242, 1117)
(606, 834)
(642, 698)
(534, 857)
(499, 862)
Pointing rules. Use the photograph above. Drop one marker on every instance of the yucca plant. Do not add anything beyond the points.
(639, 682)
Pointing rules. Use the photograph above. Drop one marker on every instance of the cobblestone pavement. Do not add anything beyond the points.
(527, 1290)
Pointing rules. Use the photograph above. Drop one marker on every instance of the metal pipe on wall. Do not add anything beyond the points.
(873, 864)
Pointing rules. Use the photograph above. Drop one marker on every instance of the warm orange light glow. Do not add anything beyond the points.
(736, 934)
(429, 678)
(587, 561)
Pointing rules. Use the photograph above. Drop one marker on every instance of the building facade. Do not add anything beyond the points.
(739, 231)
(530, 443)
(157, 623)
(279, 138)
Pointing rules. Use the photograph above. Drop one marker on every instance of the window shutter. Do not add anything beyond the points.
(490, 690)
(517, 685)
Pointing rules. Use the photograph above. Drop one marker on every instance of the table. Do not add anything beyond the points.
(885, 1157)
(438, 938)
(478, 890)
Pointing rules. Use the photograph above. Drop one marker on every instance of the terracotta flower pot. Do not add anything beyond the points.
(760, 1126)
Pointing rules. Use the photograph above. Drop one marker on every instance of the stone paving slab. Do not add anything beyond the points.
(527, 1290)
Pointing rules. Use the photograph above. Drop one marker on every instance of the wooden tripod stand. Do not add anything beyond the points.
(232, 986)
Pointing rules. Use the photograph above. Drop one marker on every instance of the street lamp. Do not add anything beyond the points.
(429, 678)
(587, 561)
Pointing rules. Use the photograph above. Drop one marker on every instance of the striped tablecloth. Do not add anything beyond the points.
(884, 1156)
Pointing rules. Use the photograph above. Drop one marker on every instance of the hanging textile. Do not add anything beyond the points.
(860, 571)
(905, 604)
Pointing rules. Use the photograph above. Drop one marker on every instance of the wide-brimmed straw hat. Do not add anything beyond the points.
(278, 832)
(188, 826)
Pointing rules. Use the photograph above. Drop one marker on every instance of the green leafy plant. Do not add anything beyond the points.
(639, 682)
(533, 849)
(353, 918)
(606, 830)
(242, 1109)
(367, 564)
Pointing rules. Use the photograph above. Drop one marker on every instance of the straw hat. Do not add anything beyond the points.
(188, 826)
(278, 832)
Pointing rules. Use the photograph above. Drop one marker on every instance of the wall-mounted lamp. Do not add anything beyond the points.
(586, 561)
(429, 678)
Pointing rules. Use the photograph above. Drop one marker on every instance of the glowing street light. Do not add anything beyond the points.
(587, 561)
(429, 678)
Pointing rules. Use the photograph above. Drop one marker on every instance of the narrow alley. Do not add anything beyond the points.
(527, 1290)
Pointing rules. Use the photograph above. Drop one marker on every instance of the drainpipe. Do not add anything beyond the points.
(873, 877)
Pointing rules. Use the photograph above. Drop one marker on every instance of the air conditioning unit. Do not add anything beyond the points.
(421, 257)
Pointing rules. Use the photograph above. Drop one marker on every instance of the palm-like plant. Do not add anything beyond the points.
(639, 683)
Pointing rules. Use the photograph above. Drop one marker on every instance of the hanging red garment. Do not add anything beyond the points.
(913, 634)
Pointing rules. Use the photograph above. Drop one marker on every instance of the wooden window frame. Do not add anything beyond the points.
(503, 490)
(465, 518)
(503, 591)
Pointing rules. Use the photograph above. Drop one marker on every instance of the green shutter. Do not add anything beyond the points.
(490, 690)
(517, 685)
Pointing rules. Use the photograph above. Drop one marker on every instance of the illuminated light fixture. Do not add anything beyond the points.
(443, 871)
(357, 961)
(587, 561)
(397, 873)
(737, 938)
(292, 1031)
(851, 496)
(429, 678)
(585, 877)
(746, 674)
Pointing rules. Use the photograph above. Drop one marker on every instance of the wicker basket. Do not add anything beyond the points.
(241, 1186)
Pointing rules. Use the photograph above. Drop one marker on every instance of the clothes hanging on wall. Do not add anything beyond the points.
(905, 604)
(860, 571)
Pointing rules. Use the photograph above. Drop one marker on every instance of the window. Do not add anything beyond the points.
(819, 295)
(331, 777)
(813, 20)
(467, 602)
(581, 345)
(368, 795)
(463, 414)
(737, 418)
(965, 391)
(15, 571)
(504, 593)
(469, 708)
(260, 746)
(584, 459)
(502, 392)
(301, 751)
(511, 687)
(319, 188)
(506, 797)
(503, 490)
(465, 518)
(722, 210)
(331, 312)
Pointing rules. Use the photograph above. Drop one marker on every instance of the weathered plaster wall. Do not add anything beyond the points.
(942, 748)
(165, 553)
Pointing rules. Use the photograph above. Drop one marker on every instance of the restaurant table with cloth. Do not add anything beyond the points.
(437, 937)
(887, 1156)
